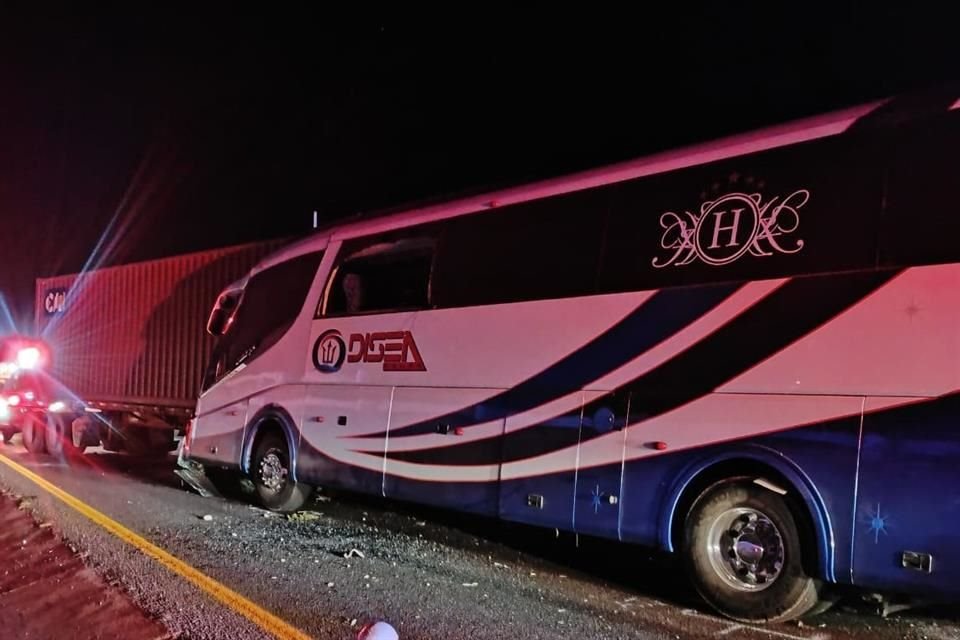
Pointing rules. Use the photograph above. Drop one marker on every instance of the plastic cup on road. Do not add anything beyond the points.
(378, 631)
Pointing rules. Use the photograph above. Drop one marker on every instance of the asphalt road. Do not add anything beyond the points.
(433, 575)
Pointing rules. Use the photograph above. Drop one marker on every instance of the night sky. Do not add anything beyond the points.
(192, 131)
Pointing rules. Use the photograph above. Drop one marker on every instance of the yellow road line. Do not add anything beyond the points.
(226, 596)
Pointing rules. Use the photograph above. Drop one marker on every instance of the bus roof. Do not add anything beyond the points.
(797, 131)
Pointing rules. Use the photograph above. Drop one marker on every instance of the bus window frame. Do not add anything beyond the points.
(399, 246)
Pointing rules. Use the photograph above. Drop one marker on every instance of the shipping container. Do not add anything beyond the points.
(129, 341)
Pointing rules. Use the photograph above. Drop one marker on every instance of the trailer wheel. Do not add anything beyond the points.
(744, 554)
(139, 441)
(59, 437)
(32, 434)
(270, 472)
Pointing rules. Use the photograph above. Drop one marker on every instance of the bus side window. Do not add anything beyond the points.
(538, 250)
(382, 278)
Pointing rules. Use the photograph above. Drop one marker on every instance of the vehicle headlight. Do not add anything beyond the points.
(57, 406)
(28, 357)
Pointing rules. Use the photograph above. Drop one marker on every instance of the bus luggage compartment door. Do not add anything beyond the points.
(599, 489)
(344, 437)
(443, 448)
(908, 503)
(539, 461)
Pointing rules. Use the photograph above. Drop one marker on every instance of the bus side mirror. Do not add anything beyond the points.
(222, 313)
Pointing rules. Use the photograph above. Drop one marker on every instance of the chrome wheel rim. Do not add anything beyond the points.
(273, 473)
(746, 549)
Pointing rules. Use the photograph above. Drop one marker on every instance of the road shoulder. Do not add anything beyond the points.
(47, 591)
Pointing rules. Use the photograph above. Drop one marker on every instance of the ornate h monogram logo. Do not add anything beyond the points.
(731, 226)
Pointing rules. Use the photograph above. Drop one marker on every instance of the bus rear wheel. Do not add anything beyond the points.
(744, 555)
(270, 471)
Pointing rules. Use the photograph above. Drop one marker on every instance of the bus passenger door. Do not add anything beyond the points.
(908, 503)
(443, 450)
(599, 489)
(344, 429)
(539, 462)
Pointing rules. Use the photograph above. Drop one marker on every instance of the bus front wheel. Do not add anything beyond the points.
(744, 554)
(270, 472)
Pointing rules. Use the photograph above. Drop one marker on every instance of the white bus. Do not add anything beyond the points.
(745, 352)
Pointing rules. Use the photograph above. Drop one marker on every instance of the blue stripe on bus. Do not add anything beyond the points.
(658, 318)
(786, 315)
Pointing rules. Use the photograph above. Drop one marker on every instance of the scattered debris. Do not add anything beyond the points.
(44, 525)
(208, 518)
(266, 514)
(198, 481)
(330, 585)
(354, 552)
(303, 516)
(471, 584)
(320, 498)
(500, 565)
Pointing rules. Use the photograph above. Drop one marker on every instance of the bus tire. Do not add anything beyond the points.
(743, 553)
(59, 438)
(274, 489)
(32, 434)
